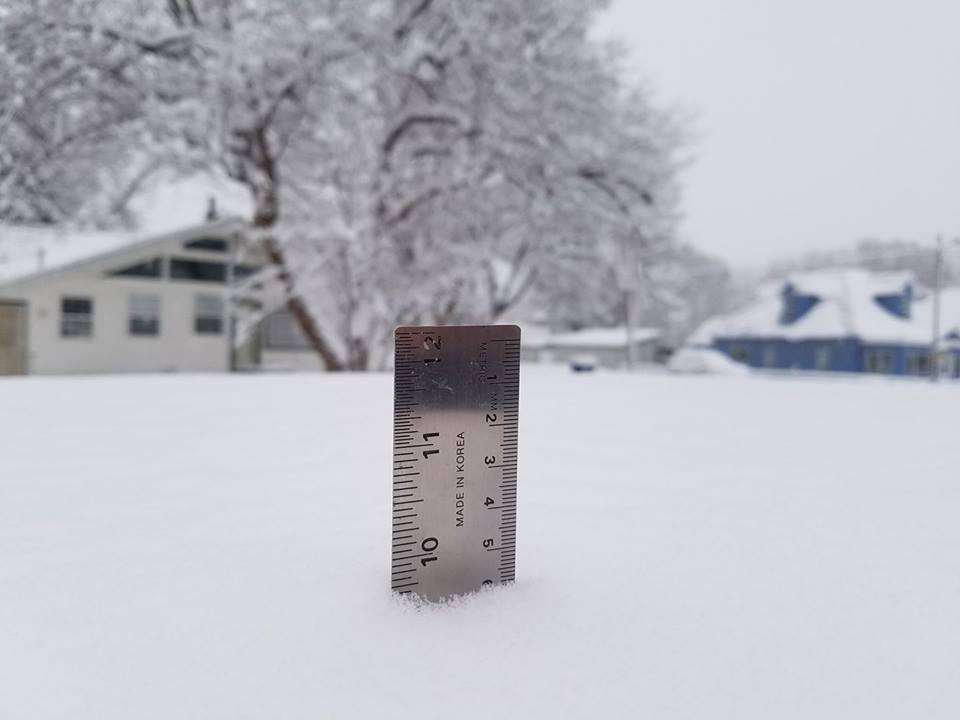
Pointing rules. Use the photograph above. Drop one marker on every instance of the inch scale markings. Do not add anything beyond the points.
(455, 421)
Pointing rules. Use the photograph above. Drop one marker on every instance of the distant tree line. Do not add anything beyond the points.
(879, 255)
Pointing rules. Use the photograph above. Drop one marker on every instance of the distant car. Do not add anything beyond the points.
(583, 363)
(704, 361)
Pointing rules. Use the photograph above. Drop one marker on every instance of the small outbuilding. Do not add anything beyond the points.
(604, 347)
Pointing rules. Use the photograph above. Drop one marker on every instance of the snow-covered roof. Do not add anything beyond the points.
(533, 335)
(599, 338)
(164, 207)
(847, 307)
(27, 250)
(849, 283)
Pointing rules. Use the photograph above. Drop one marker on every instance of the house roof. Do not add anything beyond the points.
(850, 283)
(30, 251)
(533, 335)
(847, 307)
(167, 207)
(598, 338)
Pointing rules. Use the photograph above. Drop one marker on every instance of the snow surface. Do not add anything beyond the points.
(217, 547)
(703, 361)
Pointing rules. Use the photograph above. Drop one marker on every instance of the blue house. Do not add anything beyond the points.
(838, 320)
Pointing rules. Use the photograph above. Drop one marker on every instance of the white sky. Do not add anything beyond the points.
(819, 121)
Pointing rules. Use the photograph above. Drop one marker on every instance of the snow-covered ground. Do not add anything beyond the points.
(217, 547)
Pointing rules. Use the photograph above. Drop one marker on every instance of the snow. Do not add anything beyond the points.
(703, 361)
(540, 337)
(839, 283)
(847, 308)
(26, 250)
(532, 335)
(598, 338)
(167, 205)
(217, 547)
(172, 202)
(949, 311)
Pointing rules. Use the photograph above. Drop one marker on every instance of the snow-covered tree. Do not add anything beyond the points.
(409, 160)
(69, 90)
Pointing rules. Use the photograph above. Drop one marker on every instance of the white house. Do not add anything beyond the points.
(605, 347)
(113, 302)
(281, 345)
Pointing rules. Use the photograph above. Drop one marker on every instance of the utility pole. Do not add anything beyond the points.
(628, 278)
(230, 297)
(937, 288)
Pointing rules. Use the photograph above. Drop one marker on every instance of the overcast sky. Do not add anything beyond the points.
(820, 121)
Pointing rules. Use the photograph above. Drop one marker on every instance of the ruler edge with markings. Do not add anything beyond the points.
(506, 569)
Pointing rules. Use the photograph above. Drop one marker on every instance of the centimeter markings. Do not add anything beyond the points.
(456, 416)
(508, 485)
(405, 515)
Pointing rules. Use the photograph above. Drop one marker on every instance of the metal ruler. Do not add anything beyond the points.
(455, 413)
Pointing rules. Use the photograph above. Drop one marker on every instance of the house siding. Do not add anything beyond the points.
(857, 306)
(846, 354)
(608, 357)
(111, 348)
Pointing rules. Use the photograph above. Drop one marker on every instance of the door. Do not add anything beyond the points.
(13, 338)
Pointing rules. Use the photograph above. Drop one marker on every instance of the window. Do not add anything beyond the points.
(918, 363)
(198, 270)
(739, 353)
(208, 314)
(208, 244)
(878, 361)
(821, 358)
(148, 269)
(770, 356)
(76, 317)
(241, 272)
(144, 314)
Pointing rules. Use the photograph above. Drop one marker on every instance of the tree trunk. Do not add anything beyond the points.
(264, 221)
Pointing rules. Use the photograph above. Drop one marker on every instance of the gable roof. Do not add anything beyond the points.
(847, 307)
(849, 283)
(31, 251)
(608, 338)
(169, 207)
